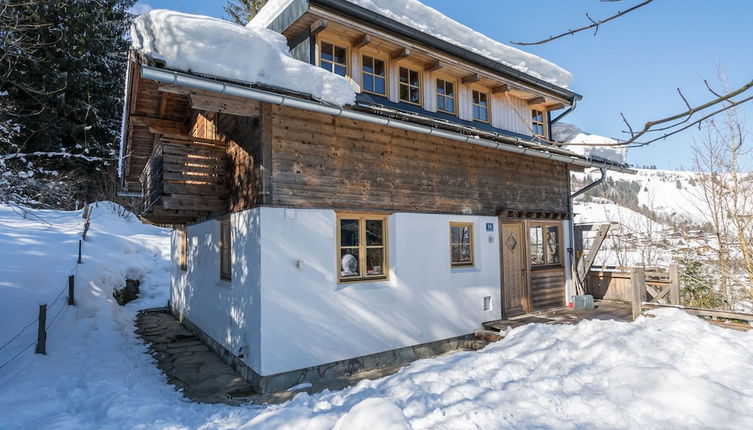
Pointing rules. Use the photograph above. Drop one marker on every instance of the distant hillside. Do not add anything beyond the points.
(570, 133)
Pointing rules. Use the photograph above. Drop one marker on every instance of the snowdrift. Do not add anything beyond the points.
(218, 48)
(415, 14)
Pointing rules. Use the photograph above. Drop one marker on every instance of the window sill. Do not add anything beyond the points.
(546, 266)
(361, 280)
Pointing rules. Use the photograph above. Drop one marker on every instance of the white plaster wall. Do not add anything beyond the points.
(307, 319)
(228, 311)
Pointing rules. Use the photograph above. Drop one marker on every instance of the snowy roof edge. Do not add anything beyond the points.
(279, 11)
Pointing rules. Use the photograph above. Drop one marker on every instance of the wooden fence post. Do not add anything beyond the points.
(42, 331)
(79, 251)
(638, 283)
(674, 285)
(71, 282)
(86, 230)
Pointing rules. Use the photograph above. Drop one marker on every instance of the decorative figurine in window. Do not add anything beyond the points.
(349, 265)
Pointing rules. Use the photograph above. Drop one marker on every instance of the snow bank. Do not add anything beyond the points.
(570, 133)
(416, 15)
(673, 371)
(210, 46)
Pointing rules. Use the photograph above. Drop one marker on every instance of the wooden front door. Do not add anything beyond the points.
(514, 276)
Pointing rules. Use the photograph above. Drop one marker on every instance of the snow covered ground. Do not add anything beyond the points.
(672, 371)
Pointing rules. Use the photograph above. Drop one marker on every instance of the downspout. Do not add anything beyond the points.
(579, 288)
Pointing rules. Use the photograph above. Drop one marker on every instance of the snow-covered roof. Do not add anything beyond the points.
(416, 15)
(218, 48)
(570, 133)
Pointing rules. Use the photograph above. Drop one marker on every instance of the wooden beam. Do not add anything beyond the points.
(403, 53)
(317, 27)
(433, 67)
(227, 104)
(159, 125)
(365, 40)
(471, 78)
(163, 104)
(556, 106)
(501, 89)
(536, 100)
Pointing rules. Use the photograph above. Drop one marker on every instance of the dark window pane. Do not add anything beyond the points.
(378, 67)
(440, 86)
(349, 232)
(441, 103)
(450, 89)
(374, 232)
(326, 66)
(404, 92)
(482, 99)
(414, 95)
(379, 87)
(368, 83)
(414, 78)
(450, 105)
(340, 54)
(375, 261)
(483, 114)
(475, 112)
(349, 262)
(475, 97)
(341, 70)
(553, 247)
(404, 75)
(368, 64)
(327, 51)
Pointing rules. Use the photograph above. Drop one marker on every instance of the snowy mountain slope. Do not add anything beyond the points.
(673, 194)
(672, 371)
(575, 137)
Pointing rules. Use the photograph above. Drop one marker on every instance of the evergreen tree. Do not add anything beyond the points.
(66, 92)
(241, 11)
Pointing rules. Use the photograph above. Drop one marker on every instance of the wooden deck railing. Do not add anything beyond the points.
(184, 179)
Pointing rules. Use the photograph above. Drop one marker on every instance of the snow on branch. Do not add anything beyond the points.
(50, 154)
(594, 24)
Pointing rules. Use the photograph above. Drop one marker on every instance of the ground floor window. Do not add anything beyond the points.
(225, 253)
(183, 251)
(361, 247)
(545, 244)
(461, 244)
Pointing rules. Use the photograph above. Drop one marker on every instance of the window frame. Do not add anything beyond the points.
(544, 226)
(437, 95)
(386, 74)
(543, 123)
(471, 263)
(420, 86)
(183, 249)
(348, 59)
(488, 106)
(362, 217)
(226, 249)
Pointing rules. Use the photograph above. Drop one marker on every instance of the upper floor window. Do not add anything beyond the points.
(445, 96)
(461, 244)
(537, 123)
(545, 244)
(373, 75)
(333, 58)
(410, 85)
(480, 106)
(225, 250)
(361, 247)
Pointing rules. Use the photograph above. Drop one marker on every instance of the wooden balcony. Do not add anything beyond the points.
(184, 180)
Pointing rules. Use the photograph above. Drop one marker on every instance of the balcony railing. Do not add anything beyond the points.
(184, 180)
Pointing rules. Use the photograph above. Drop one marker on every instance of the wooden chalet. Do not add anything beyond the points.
(309, 234)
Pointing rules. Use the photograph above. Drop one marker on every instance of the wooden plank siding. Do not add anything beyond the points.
(322, 161)
(547, 288)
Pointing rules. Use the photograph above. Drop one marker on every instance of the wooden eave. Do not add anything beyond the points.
(386, 45)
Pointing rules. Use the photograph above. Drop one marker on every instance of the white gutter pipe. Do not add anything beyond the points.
(176, 78)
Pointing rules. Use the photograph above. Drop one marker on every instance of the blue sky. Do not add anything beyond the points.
(634, 65)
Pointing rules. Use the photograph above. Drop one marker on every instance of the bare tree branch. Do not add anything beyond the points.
(594, 24)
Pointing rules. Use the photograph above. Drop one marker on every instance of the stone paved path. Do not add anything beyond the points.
(188, 363)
